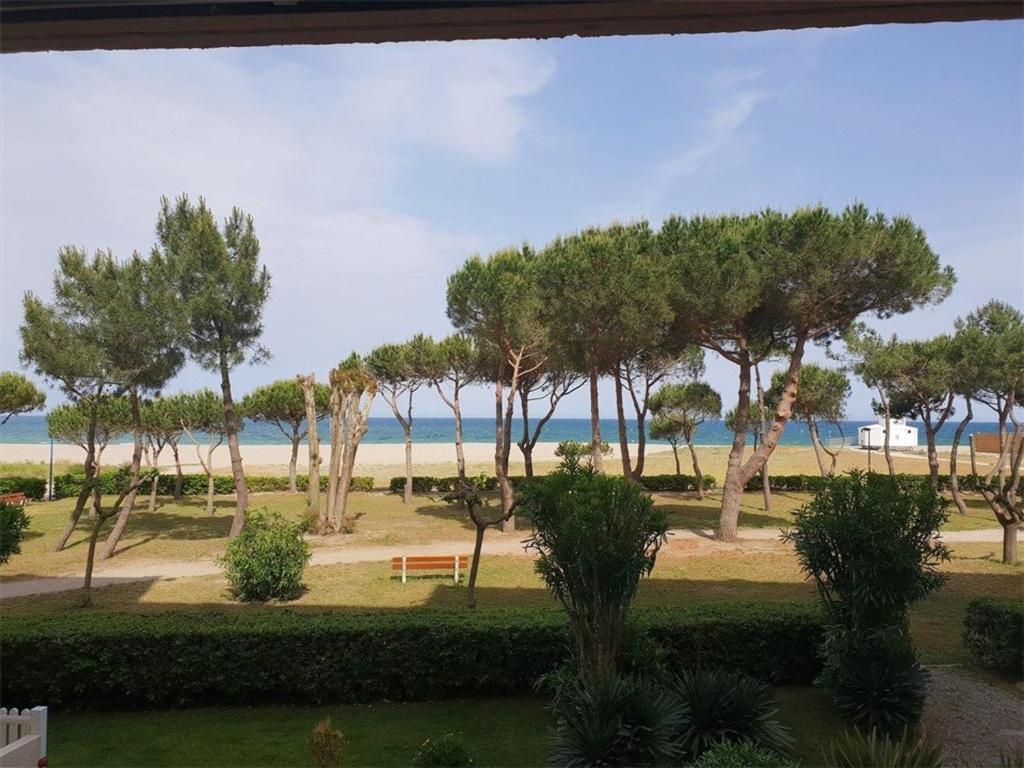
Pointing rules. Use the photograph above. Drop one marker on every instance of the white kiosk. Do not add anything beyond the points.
(872, 436)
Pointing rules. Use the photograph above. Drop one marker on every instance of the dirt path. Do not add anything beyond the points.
(975, 722)
(754, 538)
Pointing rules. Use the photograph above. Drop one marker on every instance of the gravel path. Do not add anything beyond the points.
(974, 721)
(494, 544)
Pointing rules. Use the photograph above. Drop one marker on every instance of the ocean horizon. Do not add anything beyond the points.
(31, 428)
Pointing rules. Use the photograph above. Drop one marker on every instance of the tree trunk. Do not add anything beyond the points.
(620, 415)
(293, 484)
(502, 443)
(696, 469)
(886, 442)
(209, 494)
(474, 567)
(954, 480)
(90, 474)
(154, 489)
(407, 428)
(179, 479)
(525, 446)
(732, 486)
(675, 455)
(313, 436)
(1010, 542)
(596, 456)
(819, 452)
(231, 429)
(460, 458)
(933, 457)
(90, 560)
(974, 457)
(129, 503)
(327, 516)
(766, 485)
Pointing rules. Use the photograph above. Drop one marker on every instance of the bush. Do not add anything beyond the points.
(445, 752)
(33, 487)
(727, 706)
(146, 661)
(616, 721)
(857, 750)
(69, 485)
(595, 536)
(994, 634)
(743, 754)
(870, 543)
(266, 560)
(675, 483)
(13, 522)
(327, 744)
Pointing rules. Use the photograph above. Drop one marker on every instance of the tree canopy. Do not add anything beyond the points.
(18, 395)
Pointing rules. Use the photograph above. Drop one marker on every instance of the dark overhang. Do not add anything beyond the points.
(60, 25)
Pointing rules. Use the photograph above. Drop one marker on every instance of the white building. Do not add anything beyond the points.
(873, 435)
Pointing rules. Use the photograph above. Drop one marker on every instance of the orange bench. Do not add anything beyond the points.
(14, 498)
(405, 563)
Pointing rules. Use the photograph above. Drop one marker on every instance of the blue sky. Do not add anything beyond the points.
(374, 171)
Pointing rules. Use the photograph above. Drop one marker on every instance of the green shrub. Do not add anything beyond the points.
(727, 706)
(743, 754)
(266, 560)
(13, 522)
(675, 483)
(146, 661)
(616, 721)
(857, 750)
(448, 751)
(327, 745)
(595, 537)
(870, 543)
(34, 488)
(994, 634)
(69, 485)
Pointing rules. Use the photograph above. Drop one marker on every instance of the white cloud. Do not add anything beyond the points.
(311, 141)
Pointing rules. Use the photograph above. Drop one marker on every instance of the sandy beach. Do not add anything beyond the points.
(385, 460)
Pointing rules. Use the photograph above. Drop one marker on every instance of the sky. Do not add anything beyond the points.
(374, 171)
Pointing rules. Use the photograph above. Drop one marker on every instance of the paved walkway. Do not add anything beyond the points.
(494, 544)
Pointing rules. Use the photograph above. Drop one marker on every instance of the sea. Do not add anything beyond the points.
(31, 428)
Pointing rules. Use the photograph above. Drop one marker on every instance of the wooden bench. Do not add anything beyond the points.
(14, 498)
(455, 563)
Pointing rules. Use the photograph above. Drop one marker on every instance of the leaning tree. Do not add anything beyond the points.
(496, 301)
(221, 290)
(452, 364)
(353, 388)
(202, 414)
(822, 397)
(400, 370)
(18, 395)
(747, 287)
(679, 408)
(548, 385)
(283, 404)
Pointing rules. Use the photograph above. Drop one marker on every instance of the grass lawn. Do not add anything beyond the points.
(499, 732)
(183, 531)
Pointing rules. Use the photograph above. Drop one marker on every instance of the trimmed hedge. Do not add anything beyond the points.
(815, 483)
(33, 487)
(125, 661)
(65, 486)
(428, 484)
(994, 634)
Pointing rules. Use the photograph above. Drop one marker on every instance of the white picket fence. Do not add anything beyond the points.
(22, 737)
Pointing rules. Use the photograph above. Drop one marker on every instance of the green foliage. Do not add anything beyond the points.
(200, 411)
(448, 751)
(743, 754)
(727, 706)
(822, 395)
(870, 543)
(576, 455)
(994, 634)
(69, 485)
(267, 559)
(616, 721)
(679, 408)
(283, 404)
(13, 523)
(859, 750)
(34, 488)
(18, 395)
(221, 287)
(327, 745)
(595, 537)
(69, 422)
(147, 661)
